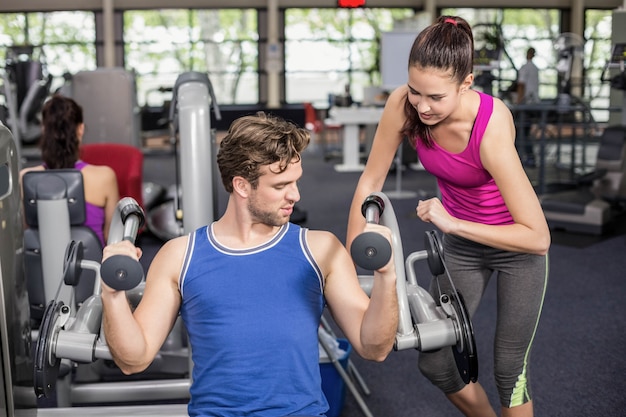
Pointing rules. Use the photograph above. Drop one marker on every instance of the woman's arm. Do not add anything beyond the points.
(386, 142)
(530, 232)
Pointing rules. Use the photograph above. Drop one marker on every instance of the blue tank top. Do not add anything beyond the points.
(252, 316)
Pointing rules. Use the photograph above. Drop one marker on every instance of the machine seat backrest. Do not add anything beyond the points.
(45, 185)
(42, 185)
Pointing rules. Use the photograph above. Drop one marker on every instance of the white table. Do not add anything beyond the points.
(351, 118)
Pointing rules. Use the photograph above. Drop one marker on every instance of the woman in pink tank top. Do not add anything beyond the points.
(63, 128)
(488, 211)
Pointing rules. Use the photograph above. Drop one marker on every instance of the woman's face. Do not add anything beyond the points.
(433, 93)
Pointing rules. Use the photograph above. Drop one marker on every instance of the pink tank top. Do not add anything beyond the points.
(468, 191)
(94, 215)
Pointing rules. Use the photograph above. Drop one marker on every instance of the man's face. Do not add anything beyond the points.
(272, 201)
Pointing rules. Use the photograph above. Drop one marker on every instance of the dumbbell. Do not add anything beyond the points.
(371, 250)
(122, 272)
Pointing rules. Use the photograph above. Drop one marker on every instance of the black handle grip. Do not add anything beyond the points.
(371, 250)
(122, 272)
(372, 208)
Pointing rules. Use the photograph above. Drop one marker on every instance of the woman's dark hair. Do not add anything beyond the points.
(59, 141)
(256, 141)
(448, 45)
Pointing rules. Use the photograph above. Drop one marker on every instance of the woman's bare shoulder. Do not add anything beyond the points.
(500, 108)
(99, 174)
(99, 169)
(100, 183)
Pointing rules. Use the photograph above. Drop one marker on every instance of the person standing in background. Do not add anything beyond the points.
(528, 93)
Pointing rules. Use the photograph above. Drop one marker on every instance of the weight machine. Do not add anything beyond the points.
(73, 335)
(424, 324)
(192, 200)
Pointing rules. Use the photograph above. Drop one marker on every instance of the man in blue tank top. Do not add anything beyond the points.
(251, 288)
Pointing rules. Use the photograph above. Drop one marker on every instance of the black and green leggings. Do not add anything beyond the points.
(521, 286)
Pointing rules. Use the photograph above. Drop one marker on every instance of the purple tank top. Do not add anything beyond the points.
(94, 215)
(468, 191)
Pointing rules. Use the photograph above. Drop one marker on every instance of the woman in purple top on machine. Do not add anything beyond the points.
(62, 132)
(488, 211)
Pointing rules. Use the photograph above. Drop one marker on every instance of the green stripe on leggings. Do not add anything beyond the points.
(520, 393)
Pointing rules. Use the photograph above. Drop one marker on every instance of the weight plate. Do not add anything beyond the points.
(46, 367)
(465, 354)
(435, 253)
(71, 265)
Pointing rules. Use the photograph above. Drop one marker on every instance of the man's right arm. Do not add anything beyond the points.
(135, 337)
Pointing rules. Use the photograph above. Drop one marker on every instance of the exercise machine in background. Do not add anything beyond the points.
(191, 201)
(592, 202)
(26, 85)
(15, 338)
